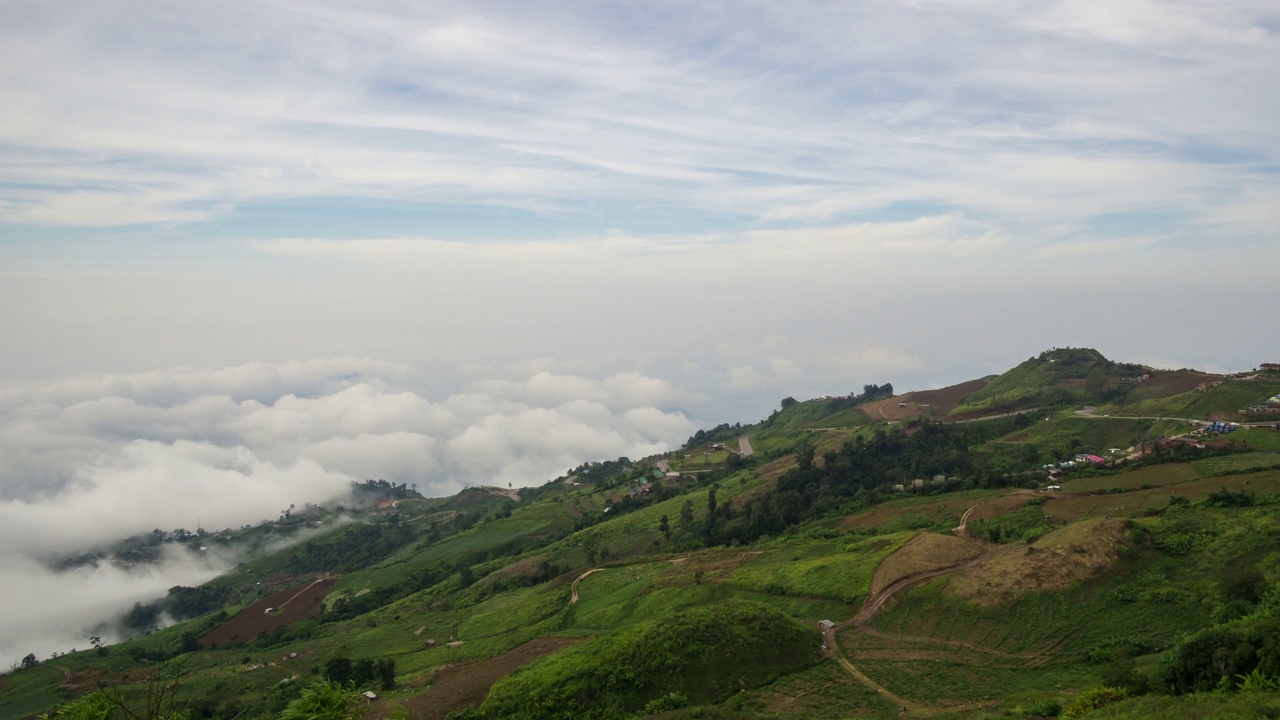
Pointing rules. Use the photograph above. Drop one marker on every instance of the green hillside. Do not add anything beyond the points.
(955, 580)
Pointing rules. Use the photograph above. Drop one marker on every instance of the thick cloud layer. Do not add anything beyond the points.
(88, 460)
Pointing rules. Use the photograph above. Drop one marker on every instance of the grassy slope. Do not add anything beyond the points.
(938, 647)
(681, 653)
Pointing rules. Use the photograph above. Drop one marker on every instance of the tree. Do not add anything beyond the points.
(788, 402)
(29, 661)
(338, 671)
(387, 673)
(686, 514)
(664, 527)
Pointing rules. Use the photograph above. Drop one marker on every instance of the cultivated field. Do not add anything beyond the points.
(287, 607)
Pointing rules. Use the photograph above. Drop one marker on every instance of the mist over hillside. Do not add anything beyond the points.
(89, 460)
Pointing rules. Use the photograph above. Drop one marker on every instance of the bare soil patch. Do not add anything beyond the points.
(288, 607)
(459, 686)
(933, 403)
(1057, 561)
(1173, 382)
(924, 553)
(996, 507)
(932, 511)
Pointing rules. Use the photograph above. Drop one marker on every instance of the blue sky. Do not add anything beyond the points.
(704, 192)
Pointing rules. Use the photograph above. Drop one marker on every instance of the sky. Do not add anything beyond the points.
(264, 248)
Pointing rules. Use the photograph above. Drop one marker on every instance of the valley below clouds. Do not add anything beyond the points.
(88, 460)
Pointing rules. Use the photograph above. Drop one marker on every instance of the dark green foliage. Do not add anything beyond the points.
(363, 673)
(854, 477)
(1108, 651)
(618, 676)
(1024, 525)
(141, 616)
(1094, 699)
(1122, 673)
(324, 700)
(1203, 661)
(1228, 498)
(1043, 708)
(350, 548)
(1244, 584)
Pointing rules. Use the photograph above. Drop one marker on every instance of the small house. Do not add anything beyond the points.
(430, 643)
(826, 624)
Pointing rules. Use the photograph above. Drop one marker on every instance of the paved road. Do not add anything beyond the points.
(744, 446)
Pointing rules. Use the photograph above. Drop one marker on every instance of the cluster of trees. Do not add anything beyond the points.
(850, 479)
(361, 673)
(371, 492)
(720, 433)
(352, 547)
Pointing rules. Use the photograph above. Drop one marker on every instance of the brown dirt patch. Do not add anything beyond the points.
(290, 606)
(924, 553)
(996, 507)
(1173, 382)
(933, 403)
(1057, 561)
(457, 687)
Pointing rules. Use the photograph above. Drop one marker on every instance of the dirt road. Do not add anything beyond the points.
(573, 593)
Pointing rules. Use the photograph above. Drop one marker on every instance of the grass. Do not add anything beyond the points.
(1258, 438)
(1130, 504)
(1242, 462)
(1096, 434)
(1201, 706)
(939, 649)
(828, 569)
(1155, 475)
(825, 690)
(1225, 401)
(680, 653)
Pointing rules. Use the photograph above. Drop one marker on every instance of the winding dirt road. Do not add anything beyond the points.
(573, 593)
(876, 602)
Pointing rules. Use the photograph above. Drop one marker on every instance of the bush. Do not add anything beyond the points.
(1043, 708)
(323, 700)
(1094, 699)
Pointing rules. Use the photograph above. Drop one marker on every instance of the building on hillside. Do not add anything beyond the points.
(826, 624)
(1269, 366)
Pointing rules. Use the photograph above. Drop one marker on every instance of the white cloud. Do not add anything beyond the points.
(88, 460)
(49, 612)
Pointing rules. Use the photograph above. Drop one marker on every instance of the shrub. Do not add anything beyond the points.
(1094, 699)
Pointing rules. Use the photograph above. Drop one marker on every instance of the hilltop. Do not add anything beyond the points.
(1073, 532)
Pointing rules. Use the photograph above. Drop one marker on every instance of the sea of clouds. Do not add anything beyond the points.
(88, 460)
